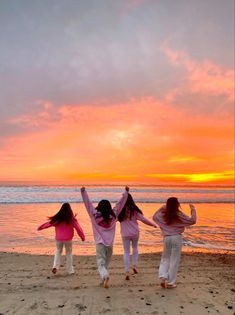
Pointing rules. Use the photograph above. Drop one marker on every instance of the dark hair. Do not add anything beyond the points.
(172, 209)
(131, 206)
(65, 214)
(105, 209)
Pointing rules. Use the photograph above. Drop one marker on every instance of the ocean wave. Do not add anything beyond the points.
(61, 194)
(158, 201)
(207, 246)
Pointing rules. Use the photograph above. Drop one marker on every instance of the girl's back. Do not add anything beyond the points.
(103, 230)
(64, 231)
(64, 222)
(178, 225)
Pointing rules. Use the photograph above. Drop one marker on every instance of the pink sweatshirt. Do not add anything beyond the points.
(64, 231)
(103, 233)
(130, 227)
(174, 228)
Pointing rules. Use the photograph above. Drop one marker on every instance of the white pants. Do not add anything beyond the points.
(170, 258)
(103, 257)
(126, 257)
(69, 257)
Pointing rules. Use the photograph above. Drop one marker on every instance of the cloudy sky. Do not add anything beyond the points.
(117, 91)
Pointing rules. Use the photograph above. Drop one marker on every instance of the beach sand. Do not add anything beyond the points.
(205, 286)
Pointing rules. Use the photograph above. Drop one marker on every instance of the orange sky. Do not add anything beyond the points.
(132, 103)
(142, 140)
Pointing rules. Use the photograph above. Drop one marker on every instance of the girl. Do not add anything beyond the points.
(103, 219)
(130, 232)
(172, 223)
(64, 222)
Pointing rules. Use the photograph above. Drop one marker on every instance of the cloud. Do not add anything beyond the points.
(41, 114)
(202, 77)
(123, 140)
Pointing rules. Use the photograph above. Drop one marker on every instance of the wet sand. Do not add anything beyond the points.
(205, 286)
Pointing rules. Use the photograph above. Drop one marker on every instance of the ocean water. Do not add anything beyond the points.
(24, 207)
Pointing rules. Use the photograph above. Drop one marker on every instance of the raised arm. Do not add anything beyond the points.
(44, 226)
(121, 203)
(142, 218)
(88, 204)
(78, 229)
(189, 220)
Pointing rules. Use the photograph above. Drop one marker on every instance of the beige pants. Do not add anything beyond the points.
(68, 252)
(170, 258)
(103, 257)
(126, 257)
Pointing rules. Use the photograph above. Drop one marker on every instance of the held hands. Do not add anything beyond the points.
(83, 189)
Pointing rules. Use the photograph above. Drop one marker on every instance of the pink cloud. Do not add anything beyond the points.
(202, 77)
(41, 113)
(129, 139)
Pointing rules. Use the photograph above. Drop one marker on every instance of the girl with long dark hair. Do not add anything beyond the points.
(172, 222)
(128, 218)
(64, 222)
(103, 219)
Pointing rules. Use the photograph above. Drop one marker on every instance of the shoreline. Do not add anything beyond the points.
(205, 285)
(185, 250)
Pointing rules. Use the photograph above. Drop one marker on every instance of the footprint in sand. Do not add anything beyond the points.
(34, 306)
(106, 310)
(45, 305)
(81, 307)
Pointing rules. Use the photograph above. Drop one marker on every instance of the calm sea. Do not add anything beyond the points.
(24, 207)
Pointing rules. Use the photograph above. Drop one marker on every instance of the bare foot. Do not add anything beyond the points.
(106, 283)
(135, 271)
(102, 283)
(54, 270)
(163, 283)
(127, 277)
(171, 286)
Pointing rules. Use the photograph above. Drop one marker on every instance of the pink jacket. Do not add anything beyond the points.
(130, 227)
(103, 233)
(174, 228)
(64, 231)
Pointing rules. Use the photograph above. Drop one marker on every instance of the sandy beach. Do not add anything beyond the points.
(205, 286)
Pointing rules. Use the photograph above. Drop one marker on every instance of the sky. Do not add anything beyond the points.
(124, 91)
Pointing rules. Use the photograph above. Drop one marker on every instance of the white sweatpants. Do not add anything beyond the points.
(103, 257)
(126, 257)
(69, 257)
(170, 258)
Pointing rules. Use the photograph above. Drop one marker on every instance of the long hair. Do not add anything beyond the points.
(65, 214)
(105, 209)
(131, 206)
(172, 209)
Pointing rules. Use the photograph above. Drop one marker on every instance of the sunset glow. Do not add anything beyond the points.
(118, 99)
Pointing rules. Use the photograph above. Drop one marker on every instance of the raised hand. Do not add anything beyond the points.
(83, 189)
(127, 188)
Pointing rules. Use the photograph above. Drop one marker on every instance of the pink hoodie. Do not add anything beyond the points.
(130, 227)
(174, 228)
(63, 231)
(103, 232)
